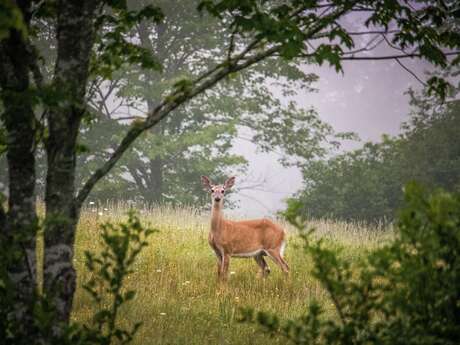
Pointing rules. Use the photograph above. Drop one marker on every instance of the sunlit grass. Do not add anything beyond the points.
(178, 299)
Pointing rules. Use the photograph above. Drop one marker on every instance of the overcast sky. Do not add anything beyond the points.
(367, 99)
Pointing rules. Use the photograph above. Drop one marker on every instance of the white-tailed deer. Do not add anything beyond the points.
(248, 238)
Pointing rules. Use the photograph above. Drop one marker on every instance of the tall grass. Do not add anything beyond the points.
(178, 299)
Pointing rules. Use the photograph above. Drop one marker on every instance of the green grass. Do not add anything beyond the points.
(178, 299)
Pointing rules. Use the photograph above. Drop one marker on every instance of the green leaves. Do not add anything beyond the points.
(295, 27)
(11, 19)
(330, 54)
(110, 268)
(438, 86)
(405, 292)
(114, 44)
(365, 184)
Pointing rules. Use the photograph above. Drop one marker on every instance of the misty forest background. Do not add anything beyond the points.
(257, 106)
(110, 112)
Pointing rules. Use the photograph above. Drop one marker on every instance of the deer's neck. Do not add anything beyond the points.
(217, 217)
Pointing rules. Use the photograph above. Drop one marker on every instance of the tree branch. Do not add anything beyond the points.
(384, 57)
(180, 96)
(391, 57)
(410, 72)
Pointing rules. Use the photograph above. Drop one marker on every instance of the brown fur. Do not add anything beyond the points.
(255, 238)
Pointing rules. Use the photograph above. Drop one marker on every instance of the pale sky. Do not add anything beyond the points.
(367, 99)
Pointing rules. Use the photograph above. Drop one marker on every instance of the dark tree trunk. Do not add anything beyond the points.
(18, 224)
(75, 41)
(155, 181)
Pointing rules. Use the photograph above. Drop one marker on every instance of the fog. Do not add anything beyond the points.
(368, 98)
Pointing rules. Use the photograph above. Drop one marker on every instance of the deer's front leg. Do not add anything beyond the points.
(219, 265)
(224, 267)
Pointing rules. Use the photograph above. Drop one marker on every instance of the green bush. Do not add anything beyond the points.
(122, 243)
(406, 292)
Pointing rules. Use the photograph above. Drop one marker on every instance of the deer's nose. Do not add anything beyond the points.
(217, 199)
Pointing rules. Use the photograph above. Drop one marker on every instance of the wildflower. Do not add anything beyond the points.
(158, 271)
(100, 213)
(91, 203)
(232, 272)
(162, 314)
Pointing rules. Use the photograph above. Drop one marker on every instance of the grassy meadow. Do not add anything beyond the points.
(178, 299)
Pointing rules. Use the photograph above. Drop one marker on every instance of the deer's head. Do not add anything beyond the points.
(217, 191)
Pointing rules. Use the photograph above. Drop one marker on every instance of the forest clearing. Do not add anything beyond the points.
(336, 119)
(178, 298)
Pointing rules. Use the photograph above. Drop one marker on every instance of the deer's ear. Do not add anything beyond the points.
(229, 183)
(206, 182)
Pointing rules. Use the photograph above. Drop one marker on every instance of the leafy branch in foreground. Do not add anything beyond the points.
(122, 245)
(263, 30)
(406, 292)
(109, 269)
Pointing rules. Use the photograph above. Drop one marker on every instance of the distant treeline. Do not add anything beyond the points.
(366, 184)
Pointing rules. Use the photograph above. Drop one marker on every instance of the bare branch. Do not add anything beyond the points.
(256, 200)
(410, 72)
(372, 32)
(125, 118)
(383, 57)
(389, 57)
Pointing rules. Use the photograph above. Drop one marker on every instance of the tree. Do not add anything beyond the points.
(365, 184)
(94, 34)
(201, 132)
(404, 292)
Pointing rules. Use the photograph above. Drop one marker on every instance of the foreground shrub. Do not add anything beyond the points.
(122, 243)
(406, 292)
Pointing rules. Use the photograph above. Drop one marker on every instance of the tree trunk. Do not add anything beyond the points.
(20, 221)
(75, 41)
(155, 181)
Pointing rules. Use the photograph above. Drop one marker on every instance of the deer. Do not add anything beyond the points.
(255, 238)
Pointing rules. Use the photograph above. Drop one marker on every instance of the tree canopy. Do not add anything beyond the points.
(366, 184)
(48, 99)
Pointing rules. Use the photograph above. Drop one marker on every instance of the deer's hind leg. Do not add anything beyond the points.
(264, 269)
(278, 259)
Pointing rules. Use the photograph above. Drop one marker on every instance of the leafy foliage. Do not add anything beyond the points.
(366, 183)
(114, 47)
(10, 18)
(122, 244)
(198, 138)
(406, 292)
(87, 31)
(426, 30)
